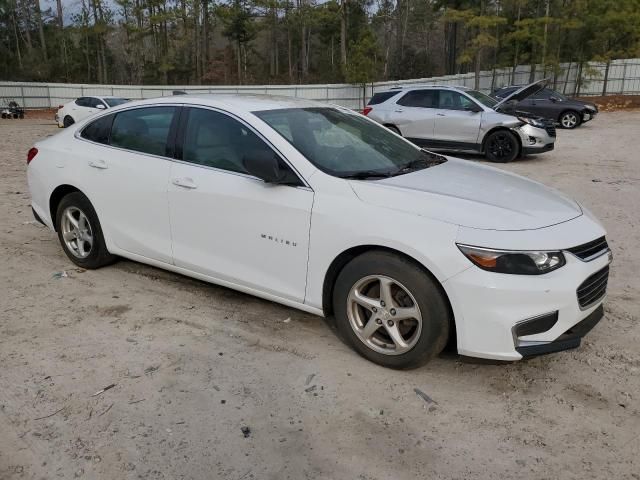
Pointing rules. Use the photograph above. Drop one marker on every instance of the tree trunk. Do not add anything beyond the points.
(15, 32)
(26, 13)
(343, 33)
(43, 43)
(606, 78)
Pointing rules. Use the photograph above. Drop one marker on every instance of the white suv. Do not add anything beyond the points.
(464, 120)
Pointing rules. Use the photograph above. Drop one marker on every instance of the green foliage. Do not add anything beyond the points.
(291, 41)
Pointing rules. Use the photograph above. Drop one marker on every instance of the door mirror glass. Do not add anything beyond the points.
(265, 165)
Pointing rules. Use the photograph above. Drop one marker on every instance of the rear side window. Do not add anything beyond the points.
(381, 97)
(83, 101)
(419, 98)
(99, 130)
(144, 130)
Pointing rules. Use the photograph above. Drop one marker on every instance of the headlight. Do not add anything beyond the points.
(534, 122)
(514, 262)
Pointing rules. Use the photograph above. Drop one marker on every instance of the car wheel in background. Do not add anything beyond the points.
(569, 119)
(501, 146)
(80, 233)
(390, 311)
(394, 129)
(68, 121)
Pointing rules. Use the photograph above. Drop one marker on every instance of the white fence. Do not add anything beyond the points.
(623, 78)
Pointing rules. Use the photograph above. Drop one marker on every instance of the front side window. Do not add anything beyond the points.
(143, 129)
(213, 139)
(98, 131)
(114, 102)
(419, 98)
(94, 102)
(345, 144)
(451, 100)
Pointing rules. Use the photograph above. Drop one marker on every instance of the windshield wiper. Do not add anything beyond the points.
(429, 159)
(365, 174)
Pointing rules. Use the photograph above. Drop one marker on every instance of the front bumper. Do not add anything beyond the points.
(536, 140)
(588, 116)
(488, 306)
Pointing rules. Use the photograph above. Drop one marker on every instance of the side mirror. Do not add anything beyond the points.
(265, 165)
(554, 99)
(472, 108)
(100, 106)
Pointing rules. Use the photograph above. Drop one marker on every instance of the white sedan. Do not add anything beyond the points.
(84, 107)
(322, 209)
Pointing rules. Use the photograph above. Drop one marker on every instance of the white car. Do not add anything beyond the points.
(84, 107)
(321, 209)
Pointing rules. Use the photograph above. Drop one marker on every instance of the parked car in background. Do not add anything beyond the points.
(566, 112)
(324, 210)
(459, 119)
(84, 107)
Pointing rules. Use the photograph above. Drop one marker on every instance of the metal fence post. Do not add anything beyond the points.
(22, 94)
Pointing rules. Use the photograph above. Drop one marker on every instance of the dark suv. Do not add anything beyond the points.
(547, 103)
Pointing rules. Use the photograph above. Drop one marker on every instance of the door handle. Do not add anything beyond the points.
(399, 110)
(441, 114)
(100, 164)
(184, 183)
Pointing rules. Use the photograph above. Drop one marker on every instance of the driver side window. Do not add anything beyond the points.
(213, 139)
(450, 100)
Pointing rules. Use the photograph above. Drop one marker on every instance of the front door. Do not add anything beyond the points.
(457, 124)
(228, 224)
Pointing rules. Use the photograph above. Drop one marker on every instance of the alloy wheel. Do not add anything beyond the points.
(76, 232)
(501, 146)
(384, 315)
(569, 120)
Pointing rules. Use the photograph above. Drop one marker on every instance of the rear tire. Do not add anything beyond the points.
(80, 233)
(501, 147)
(68, 121)
(570, 119)
(411, 325)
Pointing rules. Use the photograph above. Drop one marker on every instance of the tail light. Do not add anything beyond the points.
(33, 151)
(366, 110)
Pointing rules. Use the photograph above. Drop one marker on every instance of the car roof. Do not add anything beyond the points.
(239, 101)
(428, 86)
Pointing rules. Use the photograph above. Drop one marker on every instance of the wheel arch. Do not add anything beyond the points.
(498, 128)
(56, 197)
(577, 111)
(392, 125)
(346, 256)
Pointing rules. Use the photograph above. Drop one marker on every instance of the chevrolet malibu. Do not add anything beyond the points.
(321, 209)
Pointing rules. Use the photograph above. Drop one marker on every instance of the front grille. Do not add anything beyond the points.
(593, 288)
(551, 129)
(589, 249)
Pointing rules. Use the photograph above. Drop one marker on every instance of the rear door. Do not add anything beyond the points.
(414, 114)
(457, 123)
(125, 162)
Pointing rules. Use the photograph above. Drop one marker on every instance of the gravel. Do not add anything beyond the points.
(178, 407)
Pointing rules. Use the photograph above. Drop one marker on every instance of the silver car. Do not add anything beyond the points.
(441, 117)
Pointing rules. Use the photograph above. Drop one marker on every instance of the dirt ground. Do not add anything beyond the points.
(193, 364)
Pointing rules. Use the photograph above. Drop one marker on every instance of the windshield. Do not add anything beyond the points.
(114, 102)
(486, 100)
(345, 144)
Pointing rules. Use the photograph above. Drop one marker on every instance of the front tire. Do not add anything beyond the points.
(394, 129)
(501, 147)
(390, 311)
(80, 233)
(569, 119)
(68, 121)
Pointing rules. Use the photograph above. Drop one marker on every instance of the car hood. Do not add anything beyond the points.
(471, 195)
(522, 93)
